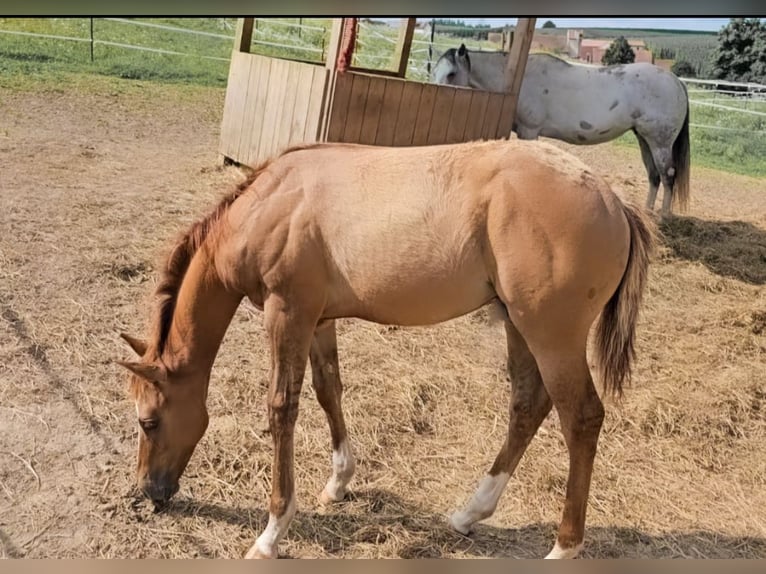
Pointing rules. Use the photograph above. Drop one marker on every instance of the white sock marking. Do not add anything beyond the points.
(266, 545)
(343, 466)
(559, 553)
(482, 503)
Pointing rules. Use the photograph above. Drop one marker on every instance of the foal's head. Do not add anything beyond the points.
(172, 417)
(453, 67)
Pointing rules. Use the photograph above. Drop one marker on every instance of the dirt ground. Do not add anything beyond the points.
(95, 181)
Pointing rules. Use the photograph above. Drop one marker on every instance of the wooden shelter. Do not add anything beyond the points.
(272, 103)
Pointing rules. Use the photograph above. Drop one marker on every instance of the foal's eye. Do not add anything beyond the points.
(148, 424)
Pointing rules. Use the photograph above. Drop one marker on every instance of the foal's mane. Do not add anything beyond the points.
(180, 256)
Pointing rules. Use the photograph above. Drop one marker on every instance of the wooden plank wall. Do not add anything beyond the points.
(270, 105)
(381, 110)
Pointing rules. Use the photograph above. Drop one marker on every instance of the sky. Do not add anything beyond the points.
(700, 24)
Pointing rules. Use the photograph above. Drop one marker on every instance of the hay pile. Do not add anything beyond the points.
(681, 469)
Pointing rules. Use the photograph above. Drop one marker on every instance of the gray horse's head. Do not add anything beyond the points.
(453, 67)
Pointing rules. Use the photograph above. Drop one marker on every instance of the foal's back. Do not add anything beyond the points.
(412, 235)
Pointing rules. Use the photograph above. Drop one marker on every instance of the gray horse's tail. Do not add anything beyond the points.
(681, 162)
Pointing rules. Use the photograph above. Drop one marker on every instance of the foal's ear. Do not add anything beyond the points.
(138, 345)
(462, 50)
(149, 371)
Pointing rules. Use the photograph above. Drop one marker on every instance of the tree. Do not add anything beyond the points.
(741, 52)
(619, 52)
(549, 24)
(683, 69)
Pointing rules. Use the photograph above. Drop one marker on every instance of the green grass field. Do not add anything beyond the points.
(733, 141)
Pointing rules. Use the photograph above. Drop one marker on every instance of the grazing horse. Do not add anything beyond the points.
(582, 104)
(411, 236)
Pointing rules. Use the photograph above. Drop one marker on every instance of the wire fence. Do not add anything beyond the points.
(727, 118)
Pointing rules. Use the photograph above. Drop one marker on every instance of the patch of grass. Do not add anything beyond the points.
(731, 141)
(30, 55)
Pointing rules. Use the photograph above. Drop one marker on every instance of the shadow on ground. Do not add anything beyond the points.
(372, 516)
(734, 249)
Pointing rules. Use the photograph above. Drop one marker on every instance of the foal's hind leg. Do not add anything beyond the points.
(326, 380)
(529, 406)
(651, 171)
(570, 386)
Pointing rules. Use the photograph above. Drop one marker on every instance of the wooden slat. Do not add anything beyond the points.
(492, 116)
(252, 119)
(246, 129)
(389, 113)
(507, 112)
(317, 105)
(292, 85)
(408, 113)
(334, 45)
(254, 156)
(404, 45)
(302, 101)
(425, 111)
(328, 108)
(356, 106)
(234, 105)
(372, 110)
(474, 125)
(243, 36)
(274, 98)
(339, 112)
(437, 133)
(514, 71)
(459, 116)
(517, 55)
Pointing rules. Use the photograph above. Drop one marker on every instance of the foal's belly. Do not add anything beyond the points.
(413, 295)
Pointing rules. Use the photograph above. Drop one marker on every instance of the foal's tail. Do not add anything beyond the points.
(681, 161)
(616, 329)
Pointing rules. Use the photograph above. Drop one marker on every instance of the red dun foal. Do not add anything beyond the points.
(408, 236)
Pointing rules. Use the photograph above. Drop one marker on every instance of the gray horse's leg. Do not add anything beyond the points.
(651, 171)
(663, 160)
(526, 133)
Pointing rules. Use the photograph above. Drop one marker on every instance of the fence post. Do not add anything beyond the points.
(92, 58)
(243, 37)
(404, 46)
(431, 45)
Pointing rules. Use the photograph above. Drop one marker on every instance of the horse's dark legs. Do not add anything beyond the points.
(325, 373)
(526, 133)
(658, 159)
(651, 171)
(529, 406)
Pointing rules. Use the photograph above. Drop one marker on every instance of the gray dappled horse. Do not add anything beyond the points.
(583, 104)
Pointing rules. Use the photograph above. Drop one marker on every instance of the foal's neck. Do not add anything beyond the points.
(204, 308)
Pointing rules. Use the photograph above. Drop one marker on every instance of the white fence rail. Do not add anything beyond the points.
(227, 37)
(750, 86)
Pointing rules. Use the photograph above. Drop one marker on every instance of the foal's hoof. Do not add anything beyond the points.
(256, 553)
(560, 553)
(457, 522)
(326, 497)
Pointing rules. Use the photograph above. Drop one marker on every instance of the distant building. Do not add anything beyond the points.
(593, 50)
(551, 42)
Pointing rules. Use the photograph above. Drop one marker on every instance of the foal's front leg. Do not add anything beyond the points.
(290, 333)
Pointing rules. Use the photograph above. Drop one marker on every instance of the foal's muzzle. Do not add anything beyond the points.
(159, 492)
